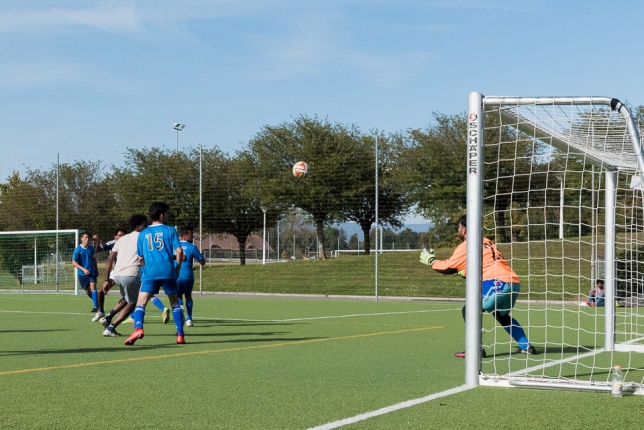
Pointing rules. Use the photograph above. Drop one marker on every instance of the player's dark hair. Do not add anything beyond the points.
(157, 209)
(187, 229)
(116, 232)
(137, 220)
(462, 221)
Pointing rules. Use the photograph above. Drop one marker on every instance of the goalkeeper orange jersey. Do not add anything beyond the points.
(495, 267)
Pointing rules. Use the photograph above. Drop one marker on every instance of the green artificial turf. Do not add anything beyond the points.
(260, 363)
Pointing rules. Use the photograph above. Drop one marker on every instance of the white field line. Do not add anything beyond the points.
(328, 317)
(46, 312)
(253, 320)
(524, 372)
(392, 408)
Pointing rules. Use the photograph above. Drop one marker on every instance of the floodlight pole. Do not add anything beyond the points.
(178, 126)
(264, 209)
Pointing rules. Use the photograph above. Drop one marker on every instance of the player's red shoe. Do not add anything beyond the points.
(138, 334)
(180, 339)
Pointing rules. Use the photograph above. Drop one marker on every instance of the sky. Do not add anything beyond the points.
(88, 80)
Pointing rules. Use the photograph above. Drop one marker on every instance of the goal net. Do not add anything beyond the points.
(557, 183)
(38, 261)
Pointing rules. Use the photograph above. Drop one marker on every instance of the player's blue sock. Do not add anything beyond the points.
(189, 309)
(516, 331)
(158, 303)
(180, 302)
(138, 315)
(95, 298)
(177, 316)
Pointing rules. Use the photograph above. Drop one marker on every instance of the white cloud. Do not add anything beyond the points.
(108, 17)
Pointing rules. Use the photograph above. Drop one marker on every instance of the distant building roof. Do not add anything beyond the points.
(229, 242)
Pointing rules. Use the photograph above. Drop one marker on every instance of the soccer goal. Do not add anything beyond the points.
(38, 261)
(556, 182)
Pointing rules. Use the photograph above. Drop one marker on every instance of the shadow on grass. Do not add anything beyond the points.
(34, 331)
(140, 345)
(555, 350)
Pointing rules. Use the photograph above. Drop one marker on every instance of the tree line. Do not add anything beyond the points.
(419, 171)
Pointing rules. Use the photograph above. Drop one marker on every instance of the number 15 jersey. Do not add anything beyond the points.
(157, 244)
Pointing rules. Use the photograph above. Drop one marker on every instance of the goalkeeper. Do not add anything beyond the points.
(500, 286)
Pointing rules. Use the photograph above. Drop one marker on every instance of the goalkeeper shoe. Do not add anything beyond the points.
(189, 323)
(529, 351)
(165, 315)
(138, 334)
(462, 354)
(98, 316)
(180, 339)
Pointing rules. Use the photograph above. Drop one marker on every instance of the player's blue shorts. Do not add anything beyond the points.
(185, 286)
(153, 286)
(499, 296)
(85, 280)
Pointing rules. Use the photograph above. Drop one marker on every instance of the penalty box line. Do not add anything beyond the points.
(328, 317)
(392, 408)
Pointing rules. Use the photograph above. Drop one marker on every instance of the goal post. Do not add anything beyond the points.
(38, 261)
(556, 182)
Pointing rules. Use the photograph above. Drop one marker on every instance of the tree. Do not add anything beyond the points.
(335, 238)
(329, 149)
(392, 201)
(156, 174)
(434, 169)
(435, 162)
(24, 206)
(79, 192)
(239, 202)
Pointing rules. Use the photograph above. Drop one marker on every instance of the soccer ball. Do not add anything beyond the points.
(300, 169)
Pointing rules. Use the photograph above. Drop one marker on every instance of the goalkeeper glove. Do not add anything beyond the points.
(427, 258)
(461, 273)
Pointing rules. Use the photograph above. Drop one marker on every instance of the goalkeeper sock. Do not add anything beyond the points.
(516, 331)
(158, 303)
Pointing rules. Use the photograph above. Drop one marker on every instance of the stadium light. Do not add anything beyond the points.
(264, 209)
(178, 126)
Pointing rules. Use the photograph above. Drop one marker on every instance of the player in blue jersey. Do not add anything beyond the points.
(186, 278)
(157, 247)
(84, 260)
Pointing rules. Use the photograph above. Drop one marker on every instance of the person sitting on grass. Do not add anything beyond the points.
(597, 294)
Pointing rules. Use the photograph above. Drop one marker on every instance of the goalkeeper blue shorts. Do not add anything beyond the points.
(499, 296)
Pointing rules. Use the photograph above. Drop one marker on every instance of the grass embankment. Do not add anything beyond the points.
(399, 274)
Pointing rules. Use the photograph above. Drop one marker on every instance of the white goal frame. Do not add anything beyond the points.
(35, 264)
(612, 153)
